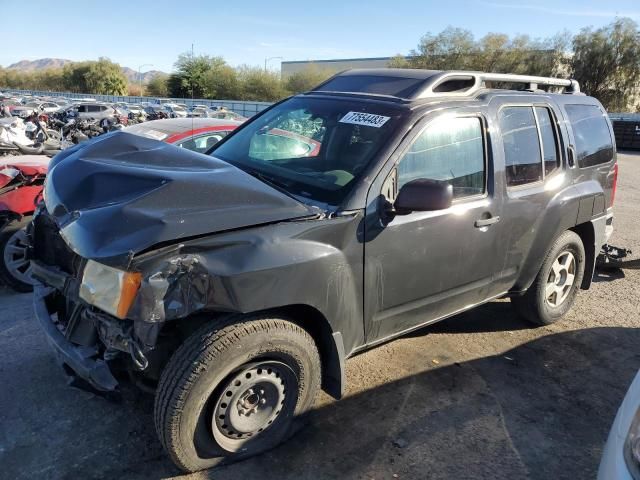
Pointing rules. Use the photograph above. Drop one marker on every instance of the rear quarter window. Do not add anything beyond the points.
(591, 131)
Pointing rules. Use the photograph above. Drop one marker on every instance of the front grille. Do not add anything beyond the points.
(49, 247)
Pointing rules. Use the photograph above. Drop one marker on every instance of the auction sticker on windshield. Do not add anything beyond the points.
(367, 119)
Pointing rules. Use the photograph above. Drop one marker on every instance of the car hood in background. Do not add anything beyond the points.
(121, 194)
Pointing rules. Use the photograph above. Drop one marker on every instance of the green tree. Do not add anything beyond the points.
(73, 76)
(306, 79)
(399, 61)
(223, 82)
(158, 86)
(105, 78)
(606, 62)
(451, 49)
(190, 78)
(102, 77)
(457, 49)
(260, 85)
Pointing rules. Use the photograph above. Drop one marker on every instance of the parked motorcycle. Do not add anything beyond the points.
(28, 137)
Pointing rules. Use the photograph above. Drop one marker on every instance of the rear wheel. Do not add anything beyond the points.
(554, 290)
(234, 391)
(15, 268)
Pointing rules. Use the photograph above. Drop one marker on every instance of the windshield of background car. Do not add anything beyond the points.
(312, 147)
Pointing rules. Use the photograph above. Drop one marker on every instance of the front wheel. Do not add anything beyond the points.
(15, 268)
(555, 287)
(235, 391)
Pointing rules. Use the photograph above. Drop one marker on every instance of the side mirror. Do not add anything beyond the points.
(422, 195)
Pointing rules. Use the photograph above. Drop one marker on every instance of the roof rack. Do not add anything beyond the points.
(474, 81)
(415, 84)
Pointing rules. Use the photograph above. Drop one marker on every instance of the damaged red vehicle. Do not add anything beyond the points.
(21, 181)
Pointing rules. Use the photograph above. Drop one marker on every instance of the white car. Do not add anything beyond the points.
(174, 110)
(42, 107)
(621, 456)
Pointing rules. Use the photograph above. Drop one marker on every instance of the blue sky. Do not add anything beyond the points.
(136, 32)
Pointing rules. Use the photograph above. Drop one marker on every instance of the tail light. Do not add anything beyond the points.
(615, 183)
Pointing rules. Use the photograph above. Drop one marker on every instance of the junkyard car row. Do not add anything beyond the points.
(32, 130)
(234, 276)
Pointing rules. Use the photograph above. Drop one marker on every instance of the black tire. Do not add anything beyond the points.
(11, 274)
(537, 305)
(202, 388)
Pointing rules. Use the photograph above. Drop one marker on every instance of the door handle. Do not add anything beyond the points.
(485, 222)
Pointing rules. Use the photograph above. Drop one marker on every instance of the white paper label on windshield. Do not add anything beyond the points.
(156, 135)
(366, 119)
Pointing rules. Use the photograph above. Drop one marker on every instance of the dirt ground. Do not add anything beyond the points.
(481, 395)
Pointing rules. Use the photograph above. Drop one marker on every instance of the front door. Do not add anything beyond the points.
(425, 265)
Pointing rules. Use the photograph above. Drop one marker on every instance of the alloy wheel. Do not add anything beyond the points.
(561, 279)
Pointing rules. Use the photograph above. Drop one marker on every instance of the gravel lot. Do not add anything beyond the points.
(481, 395)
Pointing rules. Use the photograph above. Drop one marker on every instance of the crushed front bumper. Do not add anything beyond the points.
(76, 359)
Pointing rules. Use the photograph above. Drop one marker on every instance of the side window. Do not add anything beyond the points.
(82, 108)
(203, 143)
(549, 142)
(92, 108)
(449, 150)
(591, 131)
(522, 154)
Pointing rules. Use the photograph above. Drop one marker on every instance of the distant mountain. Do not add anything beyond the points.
(132, 75)
(44, 63)
(40, 64)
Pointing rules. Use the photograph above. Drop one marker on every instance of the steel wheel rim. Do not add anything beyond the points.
(253, 400)
(561, 279)
(15, 257)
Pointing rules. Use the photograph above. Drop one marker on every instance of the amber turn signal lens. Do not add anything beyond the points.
(130, 285)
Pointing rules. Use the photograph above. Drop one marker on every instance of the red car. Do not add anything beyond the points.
(197, 134)
(22, 179)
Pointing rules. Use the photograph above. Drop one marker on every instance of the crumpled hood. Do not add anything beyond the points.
(121, 194)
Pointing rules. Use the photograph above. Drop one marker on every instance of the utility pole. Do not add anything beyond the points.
(192, 57)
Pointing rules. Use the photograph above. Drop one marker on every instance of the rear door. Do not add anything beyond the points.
(530, 150)
(426, 265)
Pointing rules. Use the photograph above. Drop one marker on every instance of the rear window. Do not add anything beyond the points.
(591, 130)
(521, 146)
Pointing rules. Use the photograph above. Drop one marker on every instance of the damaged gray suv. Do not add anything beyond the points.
(235, 285)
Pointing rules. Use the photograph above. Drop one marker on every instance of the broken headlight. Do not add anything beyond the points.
(108, 288)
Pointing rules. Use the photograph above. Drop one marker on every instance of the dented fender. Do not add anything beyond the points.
(311, 263)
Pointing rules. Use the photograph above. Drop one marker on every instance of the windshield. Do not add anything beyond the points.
(312, 147)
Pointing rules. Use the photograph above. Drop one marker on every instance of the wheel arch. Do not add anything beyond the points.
(329, 343)
(586, 232)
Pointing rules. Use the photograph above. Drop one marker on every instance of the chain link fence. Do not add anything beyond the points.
(246, 109)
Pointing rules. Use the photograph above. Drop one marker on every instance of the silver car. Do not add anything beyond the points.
(41, 107)
(621, 456)
(97, 111)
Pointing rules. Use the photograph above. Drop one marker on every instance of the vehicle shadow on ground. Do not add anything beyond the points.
(490, 317)
(540, 410)
(608, 275)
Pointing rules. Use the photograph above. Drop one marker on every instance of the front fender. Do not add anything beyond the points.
(317, 263)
